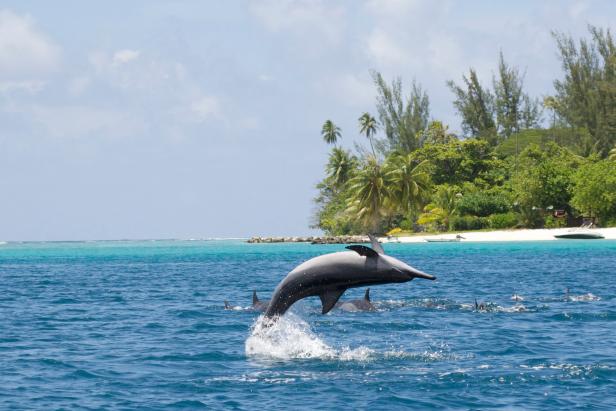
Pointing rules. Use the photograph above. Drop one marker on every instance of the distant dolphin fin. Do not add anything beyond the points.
(363, 250)
(367, 295)
(255, 299)
(227, 306)
(376, 245)
(329, 299)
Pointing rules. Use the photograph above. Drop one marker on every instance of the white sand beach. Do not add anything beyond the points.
(501, 235)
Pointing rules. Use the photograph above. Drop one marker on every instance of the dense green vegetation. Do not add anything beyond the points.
(520, 162)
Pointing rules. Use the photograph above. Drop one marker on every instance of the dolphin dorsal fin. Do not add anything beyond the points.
(255, 299)
(363, 250)
(367, 295)
(227, 306)
(329, 298)
(375, 244)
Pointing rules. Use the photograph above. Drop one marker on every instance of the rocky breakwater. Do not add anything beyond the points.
(340, 239)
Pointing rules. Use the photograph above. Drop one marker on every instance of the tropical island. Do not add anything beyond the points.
(521, 161)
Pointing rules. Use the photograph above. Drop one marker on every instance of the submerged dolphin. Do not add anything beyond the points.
(330, 275)
(357, 305)
(259, 305)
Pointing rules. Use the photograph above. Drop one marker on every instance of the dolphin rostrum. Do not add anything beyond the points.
(357, 305)
(330, 275)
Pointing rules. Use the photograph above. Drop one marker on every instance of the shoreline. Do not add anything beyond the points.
(511, 235)
(526, 234)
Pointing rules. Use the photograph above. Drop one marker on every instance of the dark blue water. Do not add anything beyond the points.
(141, 325)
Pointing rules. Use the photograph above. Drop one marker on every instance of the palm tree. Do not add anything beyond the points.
(330, 132)
(411, 182)
(340, 167)
(442, 207)
(370, 199)
(368, 126)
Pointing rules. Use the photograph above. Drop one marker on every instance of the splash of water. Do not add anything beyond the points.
(290, 337)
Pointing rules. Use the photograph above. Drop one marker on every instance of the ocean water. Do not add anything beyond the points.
(141, 325)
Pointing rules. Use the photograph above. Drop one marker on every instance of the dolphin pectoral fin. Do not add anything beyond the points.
(375, 244)
(329, 299)
(363, 250)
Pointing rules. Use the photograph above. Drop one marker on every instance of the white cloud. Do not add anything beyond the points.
(206, 108)
(78, 85)
(27, 86)
(303, 17)
(577, 9)
(26, 55)
(393, 8)
(124, 56)
(383, 48)
(78, 121)
(350, 90)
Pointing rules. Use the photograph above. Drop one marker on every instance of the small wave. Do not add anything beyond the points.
(238, 308)
(583, 298)
(518, 308)
(517, 297)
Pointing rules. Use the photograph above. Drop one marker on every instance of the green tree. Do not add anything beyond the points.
(410, 182)
(515, 110)
(368, 126)
(456, 161)
(340, 167)
(330, 132)
(370, 196)
(442, 207)
(544, 181)
(586, 96)
(436, 133)
(475, 104)
(594, 192)
(402, 119)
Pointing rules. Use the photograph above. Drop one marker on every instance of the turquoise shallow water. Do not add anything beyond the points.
(141, 325)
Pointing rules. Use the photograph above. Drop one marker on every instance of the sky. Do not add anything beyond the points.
(195, 119)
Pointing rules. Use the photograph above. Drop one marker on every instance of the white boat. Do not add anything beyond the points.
(580, 233)
(445, 239)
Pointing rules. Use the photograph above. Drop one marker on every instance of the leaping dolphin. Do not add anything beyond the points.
(357, 305)
(330, 275)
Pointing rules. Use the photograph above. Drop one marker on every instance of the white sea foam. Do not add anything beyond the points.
(584, 297)
(517, 297)
(290, 337)
(518, 308)
(287, 338)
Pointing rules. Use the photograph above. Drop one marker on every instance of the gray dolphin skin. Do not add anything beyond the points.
(357, 305)
(258, 305)
(330, 275)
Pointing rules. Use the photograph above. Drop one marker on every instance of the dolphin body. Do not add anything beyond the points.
(330, 275)
(357, 305)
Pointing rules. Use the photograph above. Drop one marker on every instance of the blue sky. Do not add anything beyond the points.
(191, 119)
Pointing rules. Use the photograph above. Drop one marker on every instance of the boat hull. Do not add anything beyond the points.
(580, 236)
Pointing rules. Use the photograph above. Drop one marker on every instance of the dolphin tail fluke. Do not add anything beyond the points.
(330, 298)
(255, 299)
(367, 295)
